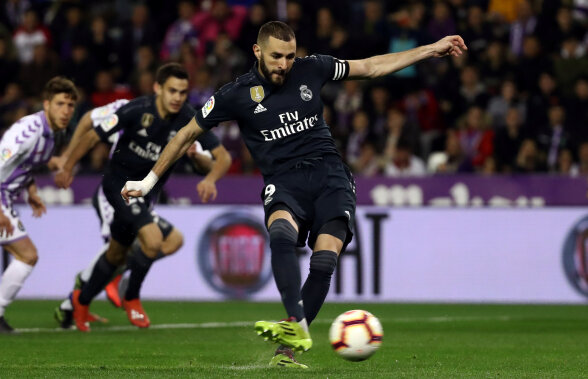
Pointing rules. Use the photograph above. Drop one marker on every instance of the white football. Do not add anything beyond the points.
(356, 335)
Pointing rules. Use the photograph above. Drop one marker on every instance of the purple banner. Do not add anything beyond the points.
(436, 191)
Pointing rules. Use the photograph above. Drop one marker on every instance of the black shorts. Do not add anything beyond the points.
(128, 218)
(316, 190)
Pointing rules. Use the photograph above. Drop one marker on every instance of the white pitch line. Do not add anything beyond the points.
(241, 324)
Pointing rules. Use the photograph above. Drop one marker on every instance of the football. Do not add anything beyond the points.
(356, 335)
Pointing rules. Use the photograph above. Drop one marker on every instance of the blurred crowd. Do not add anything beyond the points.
(517, 102)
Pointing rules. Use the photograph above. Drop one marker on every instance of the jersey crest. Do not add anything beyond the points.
(257, 93)
(305, 93)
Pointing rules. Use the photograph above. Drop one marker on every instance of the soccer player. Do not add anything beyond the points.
(308, 190)
(202, 160)
(148, 124)
(27, 145)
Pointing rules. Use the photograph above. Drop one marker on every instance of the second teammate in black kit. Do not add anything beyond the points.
(309, 193)
(148, 124)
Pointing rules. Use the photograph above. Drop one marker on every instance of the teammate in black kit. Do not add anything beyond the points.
(148, 124)
(309, 192)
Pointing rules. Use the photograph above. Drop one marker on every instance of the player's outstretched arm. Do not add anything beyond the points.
(64, 177)
(172, 152)
(381, 65)
(207, 187)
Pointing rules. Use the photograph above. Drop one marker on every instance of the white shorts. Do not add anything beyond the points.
(19, 229)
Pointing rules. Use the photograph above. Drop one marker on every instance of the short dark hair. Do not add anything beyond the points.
(276, 29)
(168, 70)
(58, 85)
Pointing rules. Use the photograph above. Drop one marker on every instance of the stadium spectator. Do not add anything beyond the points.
(403, 162)
(524, 25)
(477, 32)
(565, 164)
(507, 141)
(571, 64)
(80, 67)
(539, 102)
(348, 101)
(500, 104)
(29, 35)
(531, 64)
(106, 91)
(577, 111)
(554, 137)
(475, 137)
(139, 31)
(182, 31)
(40, 70)
(221, 19)
(102, 46)
(529, 159)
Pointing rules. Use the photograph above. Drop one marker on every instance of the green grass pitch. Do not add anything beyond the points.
(216, 340)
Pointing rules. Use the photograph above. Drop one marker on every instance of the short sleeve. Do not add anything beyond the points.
(216, 110)
(208, 140)
(113, 122)
(16, 145)
(331, 68)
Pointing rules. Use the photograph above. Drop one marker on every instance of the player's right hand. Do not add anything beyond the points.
(6, 228)
(132, 189)
(63, 179)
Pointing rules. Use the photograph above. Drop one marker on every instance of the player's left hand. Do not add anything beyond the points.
(37, 205)
(56, 163)
(63, 179)
(450, 45)
(206, 190)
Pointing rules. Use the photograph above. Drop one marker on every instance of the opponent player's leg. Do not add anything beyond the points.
(102, 272)
(293, 332)
(151, 241)
(24, 259)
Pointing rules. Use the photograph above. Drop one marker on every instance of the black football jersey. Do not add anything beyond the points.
(144, 136)
(279, 124)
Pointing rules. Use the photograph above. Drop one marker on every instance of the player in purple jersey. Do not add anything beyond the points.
(28, 144)
(309, 193)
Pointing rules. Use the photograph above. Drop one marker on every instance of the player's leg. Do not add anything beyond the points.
(330, 232)
(102, 272)
(24, 259)
(151, 241)
(323, 261)
(293, 332)
(64, 312)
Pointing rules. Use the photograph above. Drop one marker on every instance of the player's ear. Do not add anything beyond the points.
(157, 88)
(46, 105)
(257, 51)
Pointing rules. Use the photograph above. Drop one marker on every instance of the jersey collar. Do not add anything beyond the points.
(46, 128)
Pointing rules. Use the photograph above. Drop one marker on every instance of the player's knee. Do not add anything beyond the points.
(282, 234)
(173, 242)
(30, 257)
(332, 236)
(323, 261)
(152, 247)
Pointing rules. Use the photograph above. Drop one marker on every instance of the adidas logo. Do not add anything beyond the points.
(260, 108)
(142, 132)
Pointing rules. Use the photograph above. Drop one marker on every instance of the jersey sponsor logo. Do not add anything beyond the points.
(6, 154)
(305, 93)
(291, 124)
(207, 108)
(150, 152)
(259, 108)
(147, 120)
(109, 123)
(257, 93)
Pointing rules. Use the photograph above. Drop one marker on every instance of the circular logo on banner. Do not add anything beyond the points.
(233, 254)
(575, 266)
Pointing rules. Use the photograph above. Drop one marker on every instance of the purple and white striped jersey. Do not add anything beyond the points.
(26, 145)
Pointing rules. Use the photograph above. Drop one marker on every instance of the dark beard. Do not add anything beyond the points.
(268, 74)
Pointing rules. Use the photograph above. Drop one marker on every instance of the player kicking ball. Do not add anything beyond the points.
(309, 193)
